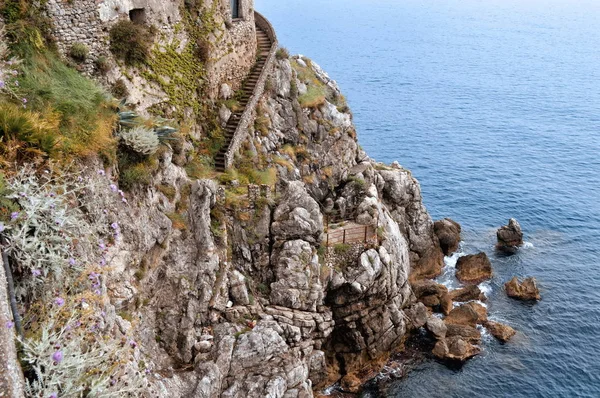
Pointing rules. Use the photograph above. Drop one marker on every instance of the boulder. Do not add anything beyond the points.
(526, 290)
(462, 315)
(417, 315)
(448, 233)
(480, 310)
(500, 331)
(433, 295)
(509, 236)
(455, 348)
(468, 293)
(467, 333)
(437, 327)
(474, 268)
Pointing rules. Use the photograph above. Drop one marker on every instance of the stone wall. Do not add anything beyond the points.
(88, 22)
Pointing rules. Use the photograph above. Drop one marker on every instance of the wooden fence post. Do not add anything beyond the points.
(344, 239)
(365, 233)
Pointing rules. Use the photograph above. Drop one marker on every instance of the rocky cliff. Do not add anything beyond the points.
(231, 290)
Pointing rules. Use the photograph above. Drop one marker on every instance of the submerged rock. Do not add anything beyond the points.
(448, 232)
(474, 268)
(500, 331)
(526, 290)
(509, 236)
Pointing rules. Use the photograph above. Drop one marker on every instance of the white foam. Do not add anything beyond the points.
(527, 245)
(486, 288)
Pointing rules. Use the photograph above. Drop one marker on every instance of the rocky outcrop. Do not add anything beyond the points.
(526, 290)
(455, 348)
(473, 268)
(433, 295)
(448, 233)
(500, 331)
(510, 236)
(467, 293)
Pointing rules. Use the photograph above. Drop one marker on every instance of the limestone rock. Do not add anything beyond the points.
(500, 331)
(455, 348)
(224, 115)
(417, 315)
(437, 327)
(467, 293)
(298, 216)
(462, 315)
(510, 236)
(467, 333)
(225, 92)
(473, 268)
(526, 290)
(448, 232)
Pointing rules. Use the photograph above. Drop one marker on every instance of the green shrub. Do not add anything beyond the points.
(341, 248)
(79, 52)
(135, 169)
(119, 89)
(131, 42)
(313, 98)
(102, 64)
(282, 53)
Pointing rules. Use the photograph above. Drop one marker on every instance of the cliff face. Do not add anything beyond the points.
(247, 300)
(243, 291)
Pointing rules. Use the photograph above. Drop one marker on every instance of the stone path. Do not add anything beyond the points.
(264, 46)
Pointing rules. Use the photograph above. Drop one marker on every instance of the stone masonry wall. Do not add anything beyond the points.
(88, 22)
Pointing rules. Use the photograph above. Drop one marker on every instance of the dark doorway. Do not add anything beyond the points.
(138, 15)
(235, 9)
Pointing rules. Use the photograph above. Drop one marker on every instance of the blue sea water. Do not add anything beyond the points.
(495, 107)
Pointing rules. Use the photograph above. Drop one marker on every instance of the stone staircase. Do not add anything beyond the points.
(248, 90)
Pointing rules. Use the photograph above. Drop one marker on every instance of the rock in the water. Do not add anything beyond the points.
(468, 293)
(455, 348)
(500, 331)
(467, 333)
(474, 268)
(526, 290)
(448, 232)
(433, 295)
(437, 327)
(509, 236)
(480, 310)
(462, 315)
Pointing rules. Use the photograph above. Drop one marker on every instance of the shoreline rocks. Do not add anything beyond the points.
(526, 290)
(474, 268)
(500, 331)
(448, 233)
(510, 236)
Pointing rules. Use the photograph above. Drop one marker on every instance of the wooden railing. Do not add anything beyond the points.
(355, 234)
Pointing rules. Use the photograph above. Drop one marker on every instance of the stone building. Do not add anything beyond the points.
(228, 25)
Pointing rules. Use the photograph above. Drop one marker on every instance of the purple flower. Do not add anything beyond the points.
(102, 172)
(114, 225)
(124, 200)
(102, 262)
(53, 395)
(2, 84)
(93, 276)
(72, 261)
(1, 227)
(9, 324)
(36, 272)
(17, 83)
(98, 292)
(24, 100)
(132, 343)
(14, 215)
(101, 245)
(121, 193)
(22, 194)
(57, 356)
(52, 194)
(59, 301)
(113, 187)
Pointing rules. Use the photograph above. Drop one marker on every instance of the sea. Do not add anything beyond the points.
(495, 107)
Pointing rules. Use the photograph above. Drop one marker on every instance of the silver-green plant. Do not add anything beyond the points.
(71, 359)
(141, 139)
